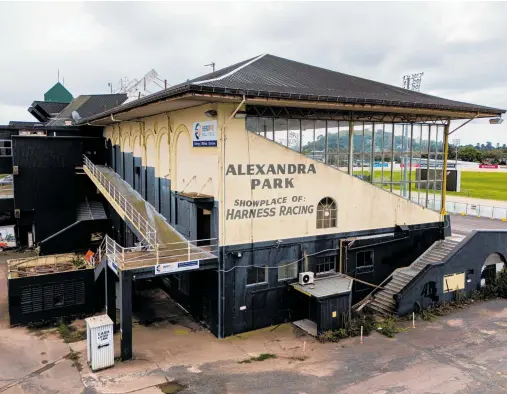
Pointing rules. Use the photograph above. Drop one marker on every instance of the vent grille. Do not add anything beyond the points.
(51, 296)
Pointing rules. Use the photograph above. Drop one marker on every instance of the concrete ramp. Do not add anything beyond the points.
(163, 243)
(165, 232)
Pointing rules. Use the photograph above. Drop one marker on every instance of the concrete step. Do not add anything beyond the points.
(379, 308)
(386, 299)
(399, 281)
(396, 287)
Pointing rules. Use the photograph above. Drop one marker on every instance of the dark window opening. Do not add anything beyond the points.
(5, 148)
(364, 259)
(256, 275)
(325, 265)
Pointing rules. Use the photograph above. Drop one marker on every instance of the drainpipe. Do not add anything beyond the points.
(444, 168)
(221, 259)
(351, 146)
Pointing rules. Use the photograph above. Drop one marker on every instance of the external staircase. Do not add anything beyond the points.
(161, 243)
(383, 302)
(91, 210)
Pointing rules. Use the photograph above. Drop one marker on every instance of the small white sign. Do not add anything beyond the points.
(103, 336)
(168, 268)
(113, 266)
(242, 308)
(204, 133)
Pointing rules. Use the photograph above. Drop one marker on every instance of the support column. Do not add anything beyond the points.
(444, 168)
(111, 295)
(351, 147)
(126, 315)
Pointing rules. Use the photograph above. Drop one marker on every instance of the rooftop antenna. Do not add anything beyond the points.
(110, 84)
(58, 75)
(212, 65)
(413, 82)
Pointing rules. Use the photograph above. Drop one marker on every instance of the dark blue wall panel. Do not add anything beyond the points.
(119, 160)
(150, 185)
(157, 194)
(165, 198)
(128, 165)
(137, 174)
(143, 182)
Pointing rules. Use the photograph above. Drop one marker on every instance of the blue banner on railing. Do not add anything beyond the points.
(169, 268)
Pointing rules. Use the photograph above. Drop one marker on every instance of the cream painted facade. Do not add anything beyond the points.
(285, 204)
(289, 201)
(164, 142)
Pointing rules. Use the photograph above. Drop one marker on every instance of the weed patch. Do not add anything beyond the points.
(74, 357)
(352, 329)
(262, 357)
(389, 327)
(298, 358)
(69, 333)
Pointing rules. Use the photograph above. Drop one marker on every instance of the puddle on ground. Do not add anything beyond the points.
(170, 387)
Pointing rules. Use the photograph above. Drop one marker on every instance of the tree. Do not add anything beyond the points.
(468, 153)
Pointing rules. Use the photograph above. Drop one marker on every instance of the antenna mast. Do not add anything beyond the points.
(413, 82)
(212, 65)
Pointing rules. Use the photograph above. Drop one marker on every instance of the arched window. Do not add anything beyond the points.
(327, 213)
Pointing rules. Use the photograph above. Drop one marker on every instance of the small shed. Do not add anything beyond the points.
(330, 301)
(46, 287)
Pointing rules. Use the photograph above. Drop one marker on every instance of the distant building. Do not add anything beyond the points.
(58, 94)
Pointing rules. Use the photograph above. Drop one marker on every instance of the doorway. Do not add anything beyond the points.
(203, 226)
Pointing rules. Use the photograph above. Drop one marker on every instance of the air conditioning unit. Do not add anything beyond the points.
(306, 278)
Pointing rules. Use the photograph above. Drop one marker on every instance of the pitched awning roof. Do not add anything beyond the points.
(272, 77)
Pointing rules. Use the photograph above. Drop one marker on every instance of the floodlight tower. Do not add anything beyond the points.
(410, 82)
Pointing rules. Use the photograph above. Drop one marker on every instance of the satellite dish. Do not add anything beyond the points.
(75, 115)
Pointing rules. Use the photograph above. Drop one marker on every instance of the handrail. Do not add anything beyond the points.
(138, 221)
(368, 297)
(120, 255)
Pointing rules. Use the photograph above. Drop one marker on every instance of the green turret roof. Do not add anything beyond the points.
(58, 94)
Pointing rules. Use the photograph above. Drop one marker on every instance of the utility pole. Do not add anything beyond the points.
(410, 82)
(456, 142)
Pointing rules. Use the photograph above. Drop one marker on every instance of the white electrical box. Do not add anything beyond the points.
(99, 342)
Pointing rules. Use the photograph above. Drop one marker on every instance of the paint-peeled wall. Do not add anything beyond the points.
(272, 192)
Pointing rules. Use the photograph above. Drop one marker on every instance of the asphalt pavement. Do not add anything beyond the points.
(463, 225)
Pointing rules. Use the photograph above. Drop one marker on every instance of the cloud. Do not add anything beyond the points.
(458, 46)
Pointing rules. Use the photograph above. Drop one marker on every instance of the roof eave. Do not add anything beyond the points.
(260, 96)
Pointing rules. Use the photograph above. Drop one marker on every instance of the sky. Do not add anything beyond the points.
(460, 47)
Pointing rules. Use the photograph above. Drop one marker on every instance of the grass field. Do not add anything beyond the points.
(487, 185)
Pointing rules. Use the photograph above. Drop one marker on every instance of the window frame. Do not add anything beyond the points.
(257, 275)
(286, 265)
(372, 259)
(323, 222)
(332, 266)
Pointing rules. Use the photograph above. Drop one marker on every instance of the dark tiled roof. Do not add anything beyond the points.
(49, 107)
(87, 106)
(269, 76)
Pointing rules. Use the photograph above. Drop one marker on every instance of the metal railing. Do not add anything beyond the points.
(465, 209)
(132, 214)
(174, 252)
